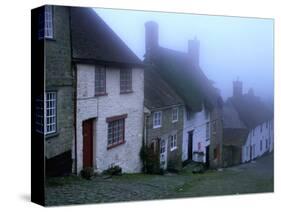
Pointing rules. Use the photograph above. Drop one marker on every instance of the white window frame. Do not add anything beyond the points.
(173, 142)
(46, 113)
(50, 112)
(157, 119)
(175, 111)
(46, 24)
(126, 81)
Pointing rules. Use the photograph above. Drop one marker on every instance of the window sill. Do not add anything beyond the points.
(115, 145)
(173, 149)
(126, 92)
(51, 135)
(101, 94)
(158, 126)
(175, 121)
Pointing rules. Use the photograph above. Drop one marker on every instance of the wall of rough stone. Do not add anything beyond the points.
(58, 77)
(167, 129)
(113, 104)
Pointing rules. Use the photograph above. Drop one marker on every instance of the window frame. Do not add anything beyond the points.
(54, 108)
(45, 110)
(155, 118)
(100, 70)
(115, 121)
(126, 76)
(177, 114)
(46, 23)
(173, 142)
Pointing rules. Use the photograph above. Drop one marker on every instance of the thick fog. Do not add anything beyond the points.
(230, 47)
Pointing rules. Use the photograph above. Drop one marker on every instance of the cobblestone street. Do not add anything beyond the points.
(247, 178)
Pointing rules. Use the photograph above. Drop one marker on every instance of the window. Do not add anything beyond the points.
(49, 124)
(199, 146)
(116, 131)
(266, 124)
(100, 81)
(51, 101)
(207, 130)
(261, 127)
(173, 142)
(157, 119)
(162, 146)
(175, 114)
(266, 143)
(125, 80)
(45, 28)
(261, 145)
(215, 153)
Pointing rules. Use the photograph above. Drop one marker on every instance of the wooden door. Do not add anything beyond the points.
(190, 145)
(88, 134)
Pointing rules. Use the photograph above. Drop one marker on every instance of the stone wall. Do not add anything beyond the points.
(58, 77)
(167, 129)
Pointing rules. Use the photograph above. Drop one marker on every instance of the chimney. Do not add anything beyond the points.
(193, 50)
(237, 88)
(151, 36)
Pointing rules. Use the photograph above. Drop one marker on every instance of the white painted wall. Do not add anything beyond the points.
(196, 122)
(255, 137)
(114, 104)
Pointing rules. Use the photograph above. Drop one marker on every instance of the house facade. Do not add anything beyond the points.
(163, 120)
(248, 130)
(202, 110)
(109, 96)
(54, 108)
(259, 141)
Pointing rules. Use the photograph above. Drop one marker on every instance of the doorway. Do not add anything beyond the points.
(190, 145)
(88, 143)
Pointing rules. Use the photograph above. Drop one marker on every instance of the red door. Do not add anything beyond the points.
(88, 143)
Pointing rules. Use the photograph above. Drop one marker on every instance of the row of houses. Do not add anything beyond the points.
(102, 104)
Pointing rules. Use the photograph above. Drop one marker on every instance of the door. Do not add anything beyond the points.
(163, 154)
(190, 144)
(207, 156)
(88, 139)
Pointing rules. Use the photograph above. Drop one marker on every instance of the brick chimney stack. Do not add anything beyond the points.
(151, 37)
(193, 50)
(237, 88)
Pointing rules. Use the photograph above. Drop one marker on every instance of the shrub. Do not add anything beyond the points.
(113, 170)
(150, 159)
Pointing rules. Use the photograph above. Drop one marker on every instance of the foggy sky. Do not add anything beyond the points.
(230, 47)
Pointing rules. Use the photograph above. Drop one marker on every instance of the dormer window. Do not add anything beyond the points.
(45, 28)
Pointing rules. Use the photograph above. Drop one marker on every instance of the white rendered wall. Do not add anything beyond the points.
(196, 122)
(88, 106)
(255, 136)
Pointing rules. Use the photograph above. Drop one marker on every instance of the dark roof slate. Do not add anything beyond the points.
(94, 40)
(188, 80)
(252, 111)
(231, 117)
(157, 93)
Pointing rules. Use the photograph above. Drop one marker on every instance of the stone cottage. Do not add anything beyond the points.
(248, 127)
(163, 119)
(109, 96)
(202, 113)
